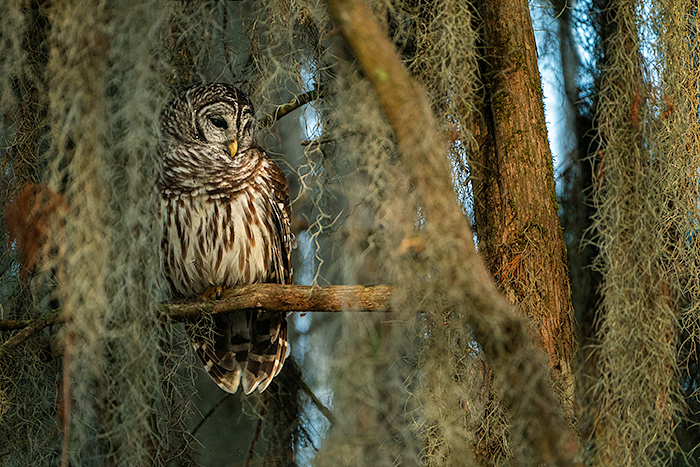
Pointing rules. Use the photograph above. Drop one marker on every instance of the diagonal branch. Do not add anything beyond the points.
(284, 109)
(12, 324)
(325, 411)
(258, 430)
(211, 411)
(33, 327)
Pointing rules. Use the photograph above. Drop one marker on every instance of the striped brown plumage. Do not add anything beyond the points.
(226, 222)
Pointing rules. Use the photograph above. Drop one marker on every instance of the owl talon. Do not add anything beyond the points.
(213, 293)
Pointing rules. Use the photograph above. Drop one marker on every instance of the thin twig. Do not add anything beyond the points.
(284, 109)
(319, 405)
(319, 142)
(211, 412)
(258, 430)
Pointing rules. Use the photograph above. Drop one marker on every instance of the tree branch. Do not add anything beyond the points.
(288, 298)
(325, 411)
(258, 430)
(211, 411)
(284, 109)
(271, 297)
(304, 387)
(12, 324)
(32, 327)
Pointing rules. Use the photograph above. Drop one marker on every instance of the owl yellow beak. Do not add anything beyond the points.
(233, 147)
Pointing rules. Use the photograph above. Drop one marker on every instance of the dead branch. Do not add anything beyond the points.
(12, 324)
(258, 430)
(211, 411)
(325, 411)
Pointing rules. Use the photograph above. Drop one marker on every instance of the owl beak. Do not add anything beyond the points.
(233, 147)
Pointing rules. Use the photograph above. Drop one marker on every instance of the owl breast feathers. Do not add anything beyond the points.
(226, 222)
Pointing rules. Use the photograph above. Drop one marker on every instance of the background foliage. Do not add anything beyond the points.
(81, 87)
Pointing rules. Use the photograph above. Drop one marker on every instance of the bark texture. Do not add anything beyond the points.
(515, 200)
(289, 298)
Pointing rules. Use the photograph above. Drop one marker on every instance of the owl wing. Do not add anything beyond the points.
(281, 217)
(249, 348)
(268, 329)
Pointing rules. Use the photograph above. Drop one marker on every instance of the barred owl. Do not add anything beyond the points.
(226, 222)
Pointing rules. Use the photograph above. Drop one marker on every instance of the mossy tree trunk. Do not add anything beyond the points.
(515, 200)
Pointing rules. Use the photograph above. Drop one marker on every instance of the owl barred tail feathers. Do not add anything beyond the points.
(226, 222)
(247, 348)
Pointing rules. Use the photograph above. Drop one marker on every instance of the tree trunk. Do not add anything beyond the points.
(514, 194)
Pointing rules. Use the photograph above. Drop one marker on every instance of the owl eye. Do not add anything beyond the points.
(219, 122)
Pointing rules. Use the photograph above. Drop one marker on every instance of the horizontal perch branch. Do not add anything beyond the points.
(290, 298)
(272, 297)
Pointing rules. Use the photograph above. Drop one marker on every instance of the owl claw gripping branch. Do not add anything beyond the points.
(226, 222)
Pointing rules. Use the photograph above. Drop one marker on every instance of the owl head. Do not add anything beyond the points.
(211, 113)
